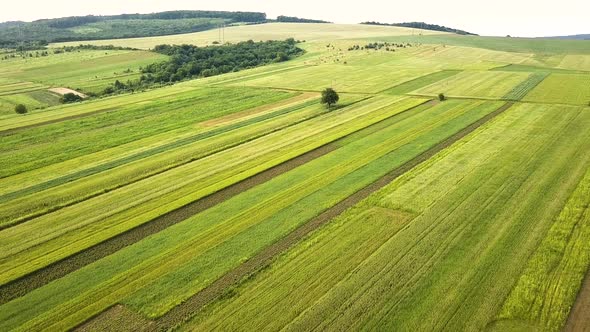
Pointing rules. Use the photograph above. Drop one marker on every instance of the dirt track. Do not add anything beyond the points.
(218, 288)
(579, 318)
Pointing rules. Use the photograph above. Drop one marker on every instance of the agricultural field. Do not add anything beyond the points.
(89, 71)
(447, 189)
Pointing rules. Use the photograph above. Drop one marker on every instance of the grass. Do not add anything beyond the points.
(562, 89)
(490, 84)
(164, 192)
(521, 90)
(237, 228)
(548, 287)
(517, 45)
(126, 123)
(118, 170)
(89, 71)
(269, 31)
(420, 82)
(440, 246)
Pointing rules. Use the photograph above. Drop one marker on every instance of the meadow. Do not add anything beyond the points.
(239, 202)
(89, 71)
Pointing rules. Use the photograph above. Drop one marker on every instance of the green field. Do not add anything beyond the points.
(88, 71)
(239, 202)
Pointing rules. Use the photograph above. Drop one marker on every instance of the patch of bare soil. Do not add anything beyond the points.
(63, 91)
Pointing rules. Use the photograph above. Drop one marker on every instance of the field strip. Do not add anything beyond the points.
(494, 99)
(48, 122)
(78, 110)
(219, 287)
(579, 318)
(33, 280)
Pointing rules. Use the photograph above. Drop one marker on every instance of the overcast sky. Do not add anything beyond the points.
(488, 17)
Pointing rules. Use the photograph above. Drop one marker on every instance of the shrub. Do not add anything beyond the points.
(70, 98)
(20, 109)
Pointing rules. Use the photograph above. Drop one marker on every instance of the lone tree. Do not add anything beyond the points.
(20, 109)
(330, 97)
(441, 97)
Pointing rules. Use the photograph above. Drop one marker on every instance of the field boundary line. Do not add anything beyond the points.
(266, 256)
(24, 284)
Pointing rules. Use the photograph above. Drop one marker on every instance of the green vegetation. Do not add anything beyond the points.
(188, 61)
(424, 26)
(562, 89)
(550, 282)
(215, 191)
(293, 19)
(521, 90)
(20, 109)
(329, 97)
(38, 33)
(421, 82)
(425, 247)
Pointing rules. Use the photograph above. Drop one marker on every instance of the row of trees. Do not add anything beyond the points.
(422, 25)
(30, 34)
(293, 19)
(188, 61)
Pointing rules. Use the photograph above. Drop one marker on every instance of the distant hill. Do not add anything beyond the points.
(425, 26)
(293, 19)
(573, 37)
(119, 26)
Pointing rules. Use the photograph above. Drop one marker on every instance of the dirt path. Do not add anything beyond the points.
(218, 288)
(63, 91)
(579, 318)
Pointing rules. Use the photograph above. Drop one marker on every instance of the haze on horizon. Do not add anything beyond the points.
(525, 18)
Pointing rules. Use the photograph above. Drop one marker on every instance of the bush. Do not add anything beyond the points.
(20, 109)
(70, 98)
(441, 97)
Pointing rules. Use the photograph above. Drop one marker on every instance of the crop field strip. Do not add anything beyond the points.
(129, 123)
(521, 90)
(348, 284)
(557, 269)
(341, 187)
(421, 82)
(408, 102)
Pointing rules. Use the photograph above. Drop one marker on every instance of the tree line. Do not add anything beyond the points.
(189, 61)
(423, 26)
(39, 33)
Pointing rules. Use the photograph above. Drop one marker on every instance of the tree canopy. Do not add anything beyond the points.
(330, 97)
(20, 109)
(189, 61)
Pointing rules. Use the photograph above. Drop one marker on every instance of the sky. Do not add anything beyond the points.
(525, 18)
